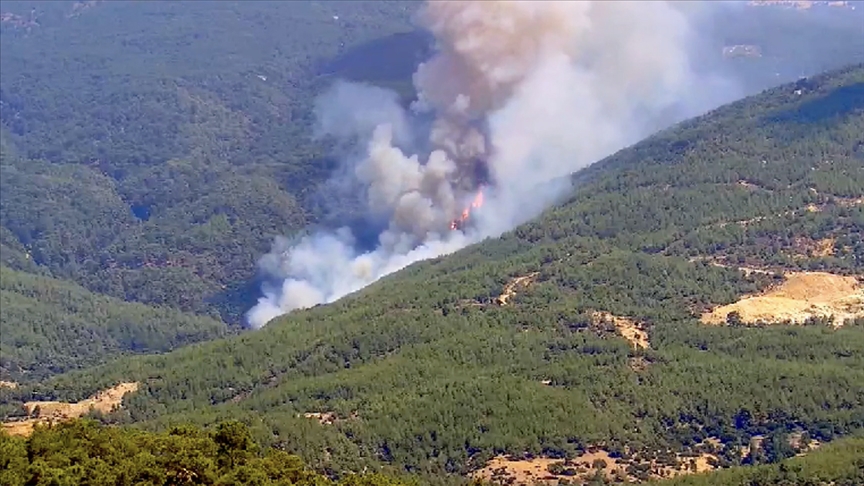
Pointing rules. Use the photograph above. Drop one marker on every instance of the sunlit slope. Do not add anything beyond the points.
(427, 370)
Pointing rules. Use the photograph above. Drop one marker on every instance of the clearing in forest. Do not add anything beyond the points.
(548, 471)
(810, 248)
(851, 201)
(510, 289)
(327, 418)
(8, 384)
(628, 328)
(803, 295)
(47, 412)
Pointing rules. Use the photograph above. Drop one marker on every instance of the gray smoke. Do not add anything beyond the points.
(525, 92)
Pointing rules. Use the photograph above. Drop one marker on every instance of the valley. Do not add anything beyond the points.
(558, 347)
(689, 311)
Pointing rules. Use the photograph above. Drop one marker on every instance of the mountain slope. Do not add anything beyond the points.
(427, 370)
(187, 126)
(840, 464)
(183, 133)
(51, 326)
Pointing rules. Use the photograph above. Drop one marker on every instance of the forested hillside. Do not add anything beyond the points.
(180, 134)
(839, 464)
(151, 151)
(183, 455)
(228, 455)
(498, 348)
(51, 326)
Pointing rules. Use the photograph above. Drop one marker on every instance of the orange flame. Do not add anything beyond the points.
(466, 213)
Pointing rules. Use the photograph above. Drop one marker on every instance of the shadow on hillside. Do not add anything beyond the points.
(388, 62)
(233, 302)
(838, 103)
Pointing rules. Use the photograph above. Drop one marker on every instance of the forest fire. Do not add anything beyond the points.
(459, 222)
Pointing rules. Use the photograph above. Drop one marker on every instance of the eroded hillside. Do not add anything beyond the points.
(52, 412)
(802, 297)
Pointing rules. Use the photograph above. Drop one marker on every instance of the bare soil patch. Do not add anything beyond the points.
(824, 247)
(548, 471)
(50, 411)
(504, 470)
(328, 418)
(850, 201)
(752, 186)
(638, 363)
(714, 261)
(628, 328)
(512, 286)
(810, 248)
(8, 384)
(803, 295)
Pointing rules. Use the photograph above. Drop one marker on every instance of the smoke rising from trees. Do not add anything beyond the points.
(519, 94)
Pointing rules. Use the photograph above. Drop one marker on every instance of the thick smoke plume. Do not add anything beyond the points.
(517, 95)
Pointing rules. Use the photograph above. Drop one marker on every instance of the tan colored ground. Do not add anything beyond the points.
(530, 471)
(803, 295)
(502, 470)
(513, 285)
(750, 185)
(810, 248)
(49, 412)
(747, 270)
(327, 418)
(323, 418)
(824, 247)
(507, 471)
(628, 328)
(849, 202)
(638, 363)
(795, 442)
(8, 384)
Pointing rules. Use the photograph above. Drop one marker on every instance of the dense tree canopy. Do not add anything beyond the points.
(83, 452)
(839, 464)
(151, 151)
(181, 135)
(178, 135)
(424, 371)
(51, 326)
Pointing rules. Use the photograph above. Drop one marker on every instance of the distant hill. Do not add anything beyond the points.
(182, 132)
(598, 349)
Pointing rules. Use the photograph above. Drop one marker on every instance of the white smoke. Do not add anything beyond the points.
(524, 91)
